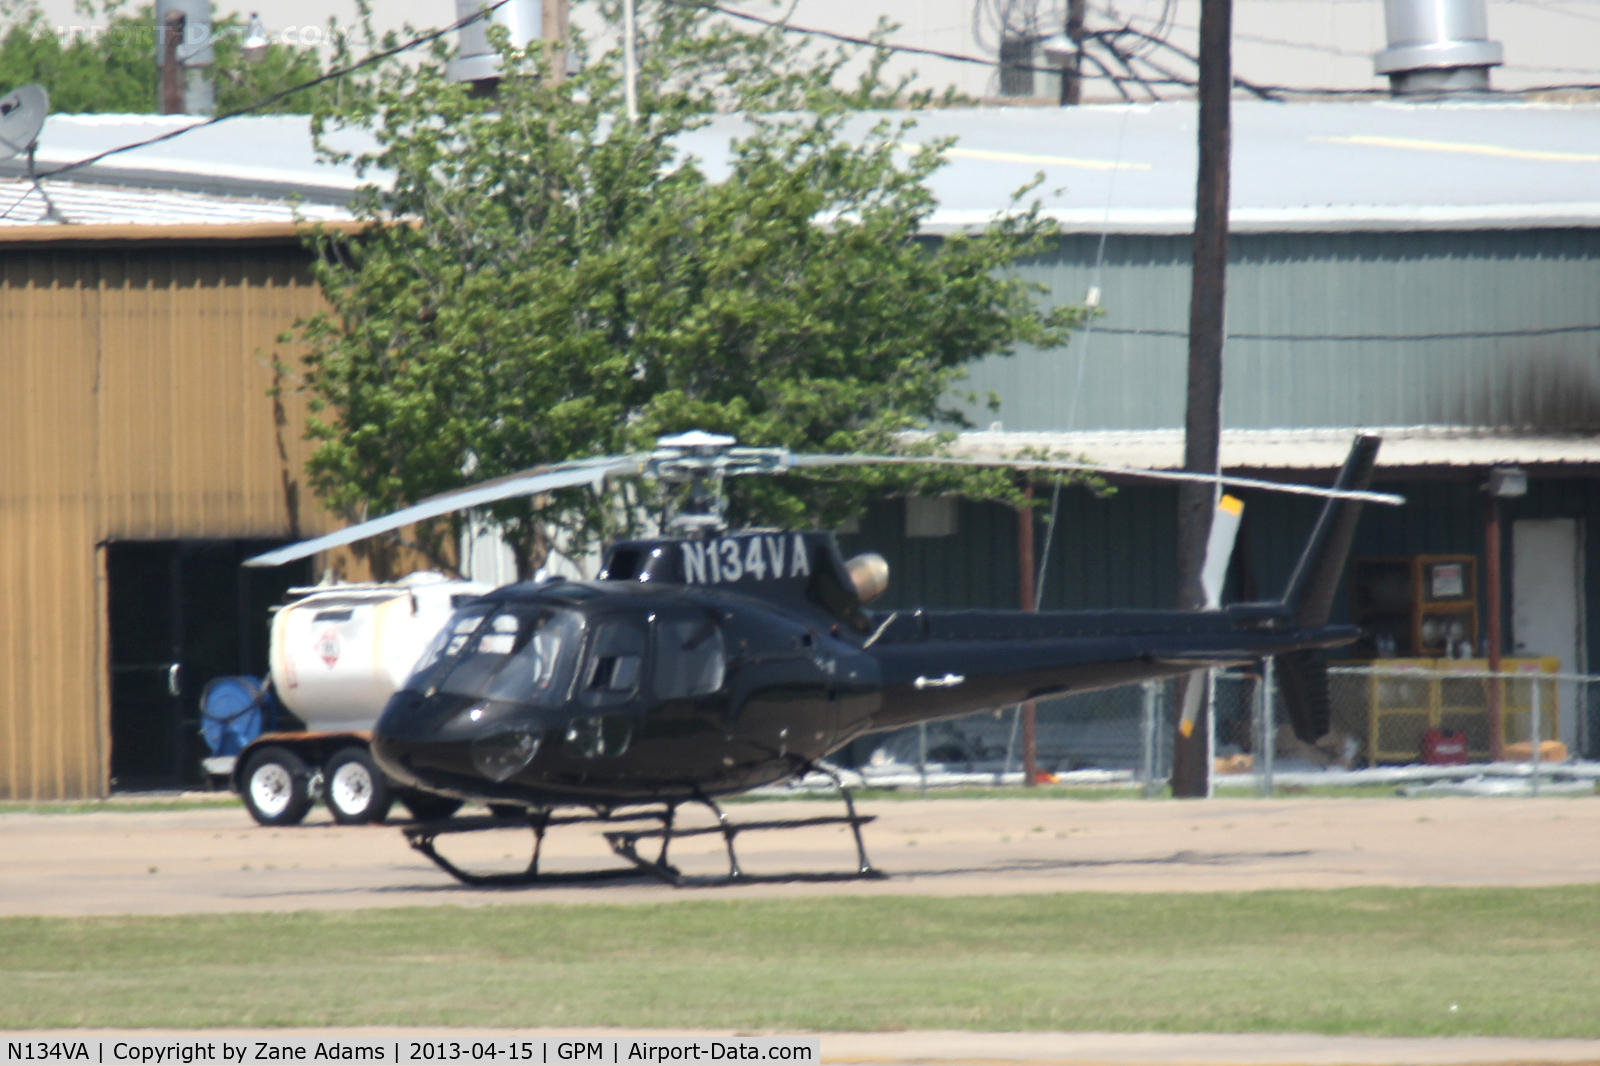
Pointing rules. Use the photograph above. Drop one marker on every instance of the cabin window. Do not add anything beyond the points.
(616, 659)
(510, 652)
(446, 645)
(542, 652)
(689, 658)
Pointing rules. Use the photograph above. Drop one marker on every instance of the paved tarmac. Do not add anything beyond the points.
(963, 1048)
(211, 860)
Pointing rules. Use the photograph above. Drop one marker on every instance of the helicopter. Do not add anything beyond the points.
(711, 661)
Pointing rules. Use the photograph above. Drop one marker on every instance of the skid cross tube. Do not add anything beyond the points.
(422, 836)
(625, 842)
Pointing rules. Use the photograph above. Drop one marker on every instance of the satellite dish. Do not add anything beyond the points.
(22, 115)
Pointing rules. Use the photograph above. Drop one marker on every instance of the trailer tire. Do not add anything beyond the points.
(276, 787)
(428, 806)
(356, 790)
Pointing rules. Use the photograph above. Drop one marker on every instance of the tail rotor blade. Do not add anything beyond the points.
(1219, 548)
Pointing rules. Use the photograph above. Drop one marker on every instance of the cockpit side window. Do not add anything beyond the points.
(688, 658)
(616, 661)
(446, 644)
(518, 652)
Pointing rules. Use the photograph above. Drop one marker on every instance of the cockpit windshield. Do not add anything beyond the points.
(520, 652)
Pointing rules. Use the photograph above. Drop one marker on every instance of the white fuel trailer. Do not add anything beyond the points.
(338, 653)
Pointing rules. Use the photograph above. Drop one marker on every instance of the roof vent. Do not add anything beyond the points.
(1437, 47)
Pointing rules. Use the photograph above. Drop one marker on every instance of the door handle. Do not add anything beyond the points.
(175, 679)
(947, 681)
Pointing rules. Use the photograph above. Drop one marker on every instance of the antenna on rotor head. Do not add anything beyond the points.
(703, 460)
(692, 457)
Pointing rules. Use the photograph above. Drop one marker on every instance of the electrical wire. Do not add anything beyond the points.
(1262, 91)
(1258, 89)
(331, 75)
(845, 38)
(1102, 37)
(19, 200)
(1492, 334)
(51, 211)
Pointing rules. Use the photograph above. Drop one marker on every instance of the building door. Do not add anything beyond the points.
(1547, 602)
(181, 613)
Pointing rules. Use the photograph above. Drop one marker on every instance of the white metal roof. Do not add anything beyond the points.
(1296, 166)
(1298, 449)
(24, 204)
(1126, 168)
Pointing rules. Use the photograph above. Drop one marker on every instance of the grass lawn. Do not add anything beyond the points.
(1380, 961)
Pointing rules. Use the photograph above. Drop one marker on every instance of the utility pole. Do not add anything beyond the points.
(555, 32)
(1493, 692)
(1072, 69)
(184, 54)
(1203, 416)
(630, 64)
(1025, 576)
(174, 81)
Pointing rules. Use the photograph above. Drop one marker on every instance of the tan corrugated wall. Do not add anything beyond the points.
(134, 404)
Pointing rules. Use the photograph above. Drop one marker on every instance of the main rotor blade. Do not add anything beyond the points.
(1097, 468)
(527, 483)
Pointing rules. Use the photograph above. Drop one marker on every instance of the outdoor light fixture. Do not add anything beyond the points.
(1508, 482)
(1060, 50)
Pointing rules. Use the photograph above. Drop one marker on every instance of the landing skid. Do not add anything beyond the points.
(625, 843)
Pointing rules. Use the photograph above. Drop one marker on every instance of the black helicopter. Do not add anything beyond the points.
(716, 661)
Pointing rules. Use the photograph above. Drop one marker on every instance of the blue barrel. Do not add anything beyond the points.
(231, 711)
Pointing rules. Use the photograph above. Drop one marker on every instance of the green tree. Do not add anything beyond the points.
(563, 283)
(112, 68)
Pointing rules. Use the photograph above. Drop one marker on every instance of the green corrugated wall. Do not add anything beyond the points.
(1358, 286)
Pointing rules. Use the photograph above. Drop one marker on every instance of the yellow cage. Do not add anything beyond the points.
(1400, 708)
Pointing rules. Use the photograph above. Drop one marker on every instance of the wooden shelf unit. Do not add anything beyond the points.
(1426, 604)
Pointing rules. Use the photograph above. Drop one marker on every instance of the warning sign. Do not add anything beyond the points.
(328, 647)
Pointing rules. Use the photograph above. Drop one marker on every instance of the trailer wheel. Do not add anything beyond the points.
(357, 792)
(428, 806)
(276, 787)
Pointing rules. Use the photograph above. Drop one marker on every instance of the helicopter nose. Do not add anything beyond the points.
(411, 737)
(444, 742)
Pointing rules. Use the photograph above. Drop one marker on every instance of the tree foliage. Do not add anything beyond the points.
(111, 67)
(562, 283)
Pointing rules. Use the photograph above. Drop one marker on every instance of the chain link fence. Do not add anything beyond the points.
(1382, 717)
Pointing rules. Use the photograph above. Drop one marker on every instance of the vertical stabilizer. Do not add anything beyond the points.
(1303, 675)
(1309, 594)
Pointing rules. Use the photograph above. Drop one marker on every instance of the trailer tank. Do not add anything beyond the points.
(341, 652)
(338, 653)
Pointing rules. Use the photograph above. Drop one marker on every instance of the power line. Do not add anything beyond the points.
(958, 57)
(845, 38)
(1260, 90)
(1362, 337)
(331, 75)
(1105, 38)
